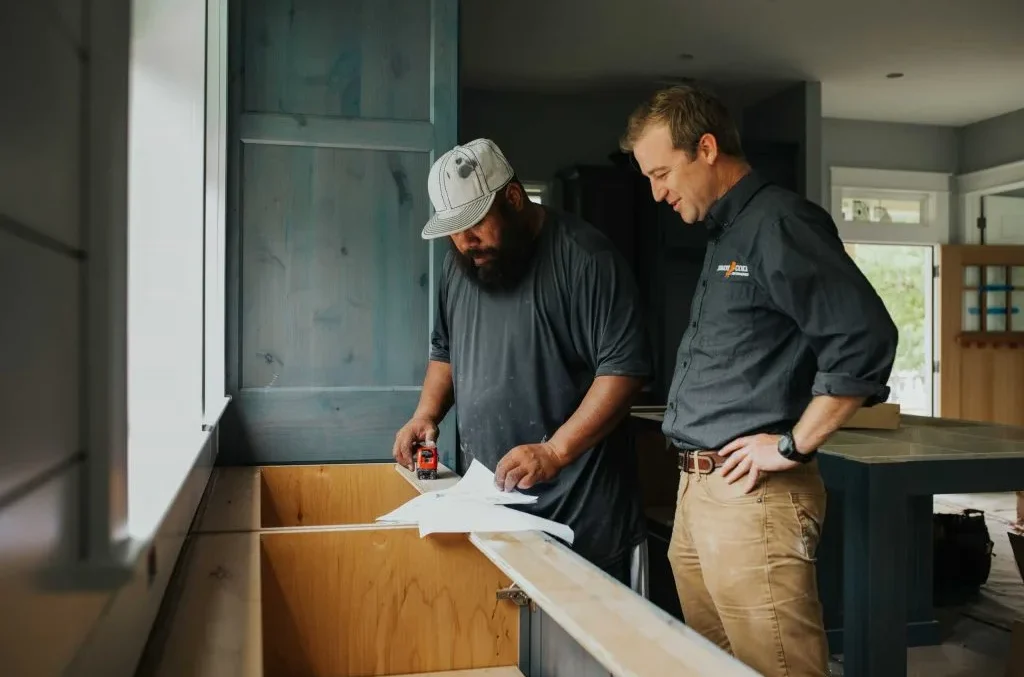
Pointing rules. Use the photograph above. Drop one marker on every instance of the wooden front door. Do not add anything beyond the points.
(982, 333)
(339, 108)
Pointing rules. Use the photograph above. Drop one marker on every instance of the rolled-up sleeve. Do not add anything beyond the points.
(812, 279)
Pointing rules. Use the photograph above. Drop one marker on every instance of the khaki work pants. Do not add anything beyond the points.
(744, 567)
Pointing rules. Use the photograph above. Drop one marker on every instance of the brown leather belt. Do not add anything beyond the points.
(701, 461)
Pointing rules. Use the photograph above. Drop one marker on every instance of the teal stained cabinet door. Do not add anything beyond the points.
(340, 107)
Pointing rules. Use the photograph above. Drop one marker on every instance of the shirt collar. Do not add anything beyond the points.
(727, 208)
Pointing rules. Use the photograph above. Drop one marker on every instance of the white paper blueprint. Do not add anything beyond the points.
(474, 504)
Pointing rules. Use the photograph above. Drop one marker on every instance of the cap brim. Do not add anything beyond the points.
(452, 221)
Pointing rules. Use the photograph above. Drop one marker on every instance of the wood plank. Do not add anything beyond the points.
(210, 625)
(232, 501)
(398, 604)
(324, 132)
(359, 58)
(335, 276)
(271, 426)
(301, 495)
(624, 632)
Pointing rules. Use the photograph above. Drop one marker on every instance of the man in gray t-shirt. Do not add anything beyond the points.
(540, 346)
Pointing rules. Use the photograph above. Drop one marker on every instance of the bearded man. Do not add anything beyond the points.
(540, 346)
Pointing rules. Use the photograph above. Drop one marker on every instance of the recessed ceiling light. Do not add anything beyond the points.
(685, 56)
(894, 76)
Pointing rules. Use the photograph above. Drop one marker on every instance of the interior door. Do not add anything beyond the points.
(340, 109)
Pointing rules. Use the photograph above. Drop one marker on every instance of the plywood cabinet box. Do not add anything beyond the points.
(285, 574)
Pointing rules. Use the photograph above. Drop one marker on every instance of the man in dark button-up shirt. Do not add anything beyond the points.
(787, 339)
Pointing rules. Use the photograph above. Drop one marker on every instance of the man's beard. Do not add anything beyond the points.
(509, 262)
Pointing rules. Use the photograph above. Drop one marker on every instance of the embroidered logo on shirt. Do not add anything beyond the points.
(733, 269)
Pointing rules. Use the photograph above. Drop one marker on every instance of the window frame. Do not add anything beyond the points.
(115, 484)
(932, 189)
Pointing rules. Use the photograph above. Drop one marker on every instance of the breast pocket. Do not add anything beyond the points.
(727, 323)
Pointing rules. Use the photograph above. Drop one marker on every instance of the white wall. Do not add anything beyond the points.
(59, 616)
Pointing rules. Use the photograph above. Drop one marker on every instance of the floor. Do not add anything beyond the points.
(977, 634)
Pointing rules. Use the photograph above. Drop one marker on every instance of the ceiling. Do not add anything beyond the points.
(962, 60)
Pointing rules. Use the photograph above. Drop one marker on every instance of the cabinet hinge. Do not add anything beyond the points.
(935, 367)
(514, 594)
(935, 271)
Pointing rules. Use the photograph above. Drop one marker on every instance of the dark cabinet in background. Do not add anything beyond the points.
(664, 253)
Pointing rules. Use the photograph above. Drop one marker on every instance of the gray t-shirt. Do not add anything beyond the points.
(522, 361)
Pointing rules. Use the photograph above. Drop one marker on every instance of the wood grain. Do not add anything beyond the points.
(381, 602)
(980, 381)
(232, 501)
(358, 58)
(618, 629)
(315, 425)
(211, 621)
(625, 633)
(301, 495)
(335, 275)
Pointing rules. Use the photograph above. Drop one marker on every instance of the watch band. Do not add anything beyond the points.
(787, 447)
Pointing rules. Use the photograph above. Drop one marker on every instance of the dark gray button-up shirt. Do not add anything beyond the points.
(781, 313)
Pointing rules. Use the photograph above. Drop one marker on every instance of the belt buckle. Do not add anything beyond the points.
(687, 455)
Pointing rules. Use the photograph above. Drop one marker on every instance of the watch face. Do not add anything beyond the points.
(786, 446)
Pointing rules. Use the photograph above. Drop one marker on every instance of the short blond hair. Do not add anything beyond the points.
(690, 113)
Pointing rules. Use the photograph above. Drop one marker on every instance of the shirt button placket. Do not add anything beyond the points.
(694, 313)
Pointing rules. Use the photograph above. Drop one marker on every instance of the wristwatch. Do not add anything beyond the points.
(787, 447)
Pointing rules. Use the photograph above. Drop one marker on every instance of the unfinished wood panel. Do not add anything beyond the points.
(39, 360)
(381, 602)
(334, 272)
(621, 630)
(357, 58)
(232, 501)
(210, 623)
(298, 495)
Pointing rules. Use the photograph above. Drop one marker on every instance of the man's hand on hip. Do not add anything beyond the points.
(526, 465)
(750, 456)
(418, 429)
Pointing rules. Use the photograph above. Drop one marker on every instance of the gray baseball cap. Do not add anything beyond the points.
(462, 184)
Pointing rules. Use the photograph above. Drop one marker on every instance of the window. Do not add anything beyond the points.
(1001, 292)
(175, 294)
(891, 206)
(897, 207)
(902, 276)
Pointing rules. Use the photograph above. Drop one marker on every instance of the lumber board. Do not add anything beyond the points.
(624, 632)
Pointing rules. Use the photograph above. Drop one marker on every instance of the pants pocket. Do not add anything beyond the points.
(809, 509)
